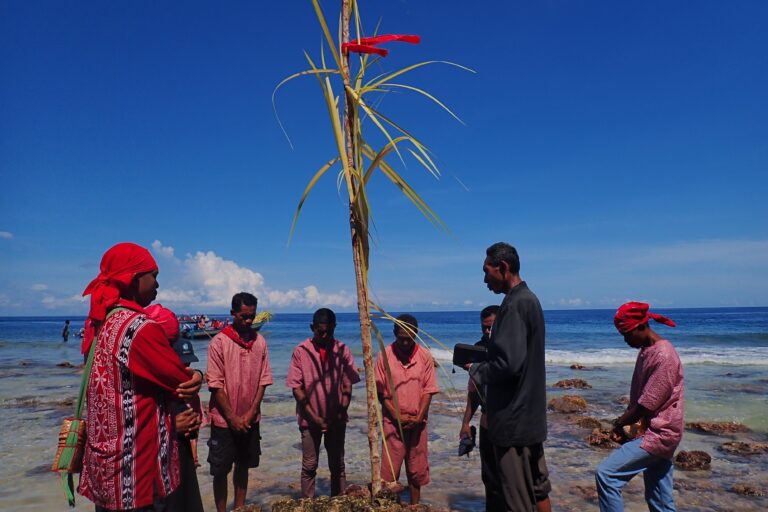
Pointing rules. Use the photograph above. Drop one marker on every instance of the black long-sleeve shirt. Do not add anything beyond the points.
(514, 374)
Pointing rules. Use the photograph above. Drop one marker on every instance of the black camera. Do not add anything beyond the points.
(464, 353)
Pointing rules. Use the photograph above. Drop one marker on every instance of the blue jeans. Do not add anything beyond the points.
(621, 465)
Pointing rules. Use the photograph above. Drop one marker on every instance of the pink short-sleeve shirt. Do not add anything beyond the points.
(657, 385)
(239, 371)
(322, 379)
(411, 380)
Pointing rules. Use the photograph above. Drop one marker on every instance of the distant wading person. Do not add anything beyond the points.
(238, 374)
(65, 332)
(321, 374)
(493, 499)
(515, 380)
(131, 457)
(655, 399)
(413, 383)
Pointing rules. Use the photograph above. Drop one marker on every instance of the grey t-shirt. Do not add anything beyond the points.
(514, 374)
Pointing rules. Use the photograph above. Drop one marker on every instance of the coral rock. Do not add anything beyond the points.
(573, 383)
(708, 427)
(586, 492)
(695, 485)
(587, 422)
(693, 460)
(568, 404)
(741, 448)
(577, 366)
(601, 439)
(747, 490)
(358, 491)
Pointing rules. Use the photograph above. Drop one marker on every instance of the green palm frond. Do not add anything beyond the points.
(388, 77)
(326, 32)
(426, 94)
(307, 190)
(285, 81)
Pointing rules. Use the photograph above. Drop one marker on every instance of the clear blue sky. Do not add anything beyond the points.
(622, 148)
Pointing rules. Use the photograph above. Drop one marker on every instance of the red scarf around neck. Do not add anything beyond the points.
(232, 334)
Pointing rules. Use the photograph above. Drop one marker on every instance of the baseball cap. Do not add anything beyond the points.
(185, 351)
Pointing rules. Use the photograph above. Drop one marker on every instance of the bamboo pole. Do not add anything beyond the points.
(358, 232)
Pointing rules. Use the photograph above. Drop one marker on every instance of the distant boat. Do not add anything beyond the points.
(192, 331)
(195, 333)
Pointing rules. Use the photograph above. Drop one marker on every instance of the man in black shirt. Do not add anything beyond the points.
(515, 380)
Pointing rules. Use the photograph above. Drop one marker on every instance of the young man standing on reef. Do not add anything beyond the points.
(413, 378)
(238, 373)
(321, 374)
(655, 400)
(131, 456)
(515, 379)
(493, 499)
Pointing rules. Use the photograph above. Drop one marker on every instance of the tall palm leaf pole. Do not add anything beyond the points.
(359, 237)
(352, 150)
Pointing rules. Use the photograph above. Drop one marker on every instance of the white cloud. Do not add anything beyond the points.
(574, 302)
(53, 302)
(39, 287)
(163, 250)
(6, 234)
(205, 280)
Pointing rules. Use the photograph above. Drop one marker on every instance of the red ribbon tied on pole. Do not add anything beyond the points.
(368, 44)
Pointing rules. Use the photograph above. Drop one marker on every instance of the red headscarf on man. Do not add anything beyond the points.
(634, 314)
(119, 265)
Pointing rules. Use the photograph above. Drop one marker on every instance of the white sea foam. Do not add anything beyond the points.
(746, 356)
(441, 354)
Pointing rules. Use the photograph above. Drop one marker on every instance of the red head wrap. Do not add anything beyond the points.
(167, 320)
(119, 265)
(634, 314)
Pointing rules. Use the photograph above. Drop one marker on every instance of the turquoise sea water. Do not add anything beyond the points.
(724, 351)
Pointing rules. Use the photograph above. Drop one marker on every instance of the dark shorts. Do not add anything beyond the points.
(227, 447)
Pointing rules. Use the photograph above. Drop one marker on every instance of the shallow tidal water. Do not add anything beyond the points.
(725, 354)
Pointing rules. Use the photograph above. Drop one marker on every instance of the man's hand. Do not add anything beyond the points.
(464, 432)
(239, 424)
(618, 436)
(320, 423)
(467, 366)
(408, 421)
(187, 422)
(248, 418)
(190, 388)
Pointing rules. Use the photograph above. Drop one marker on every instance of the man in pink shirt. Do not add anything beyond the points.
(413, 379)
(238, 373)
(656, 402)
(321, 374)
